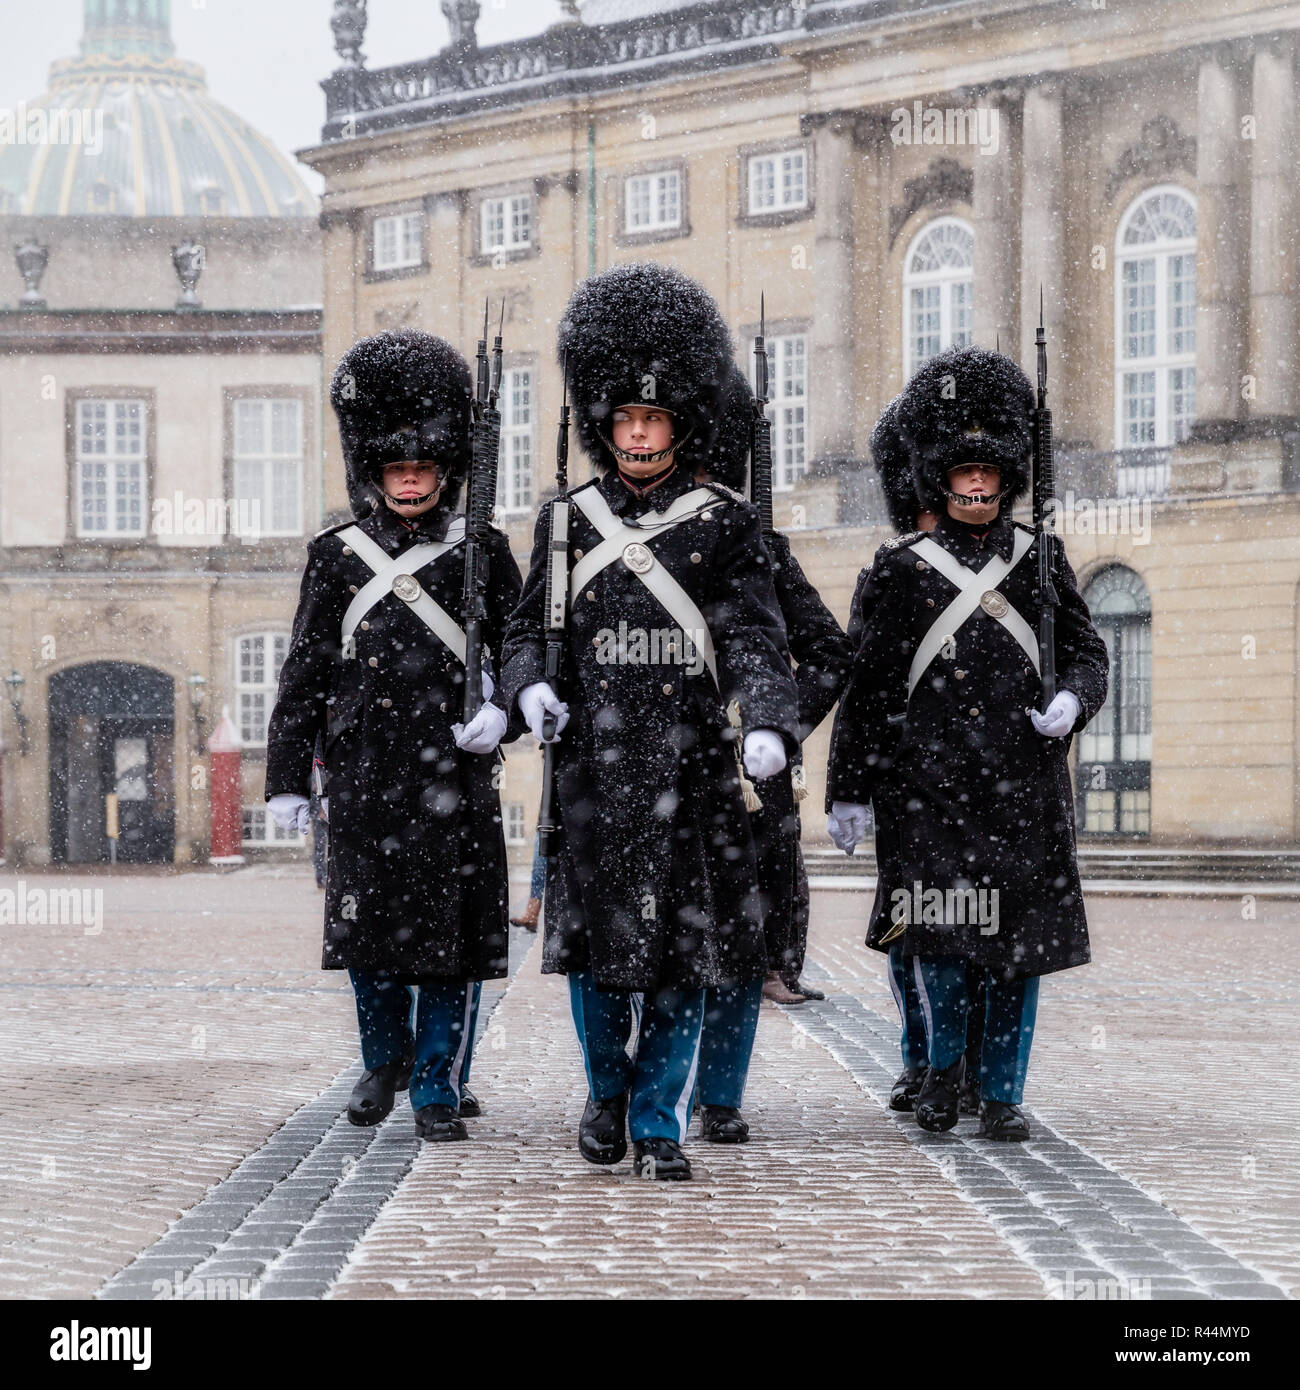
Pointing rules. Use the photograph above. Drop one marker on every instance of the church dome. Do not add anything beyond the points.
(127, 128)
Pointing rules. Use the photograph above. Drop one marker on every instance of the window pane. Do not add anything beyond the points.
(494, 223)
(762, 184)
(792, 179)
(1139, 408)
(250, 432)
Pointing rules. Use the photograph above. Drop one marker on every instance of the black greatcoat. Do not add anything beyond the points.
(654, 883)
(416, 882)
(823, 657)
(967, 794)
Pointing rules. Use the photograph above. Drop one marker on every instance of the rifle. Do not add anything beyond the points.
(760, 435)
(557, 607)
(485, 433)
(1044, 499)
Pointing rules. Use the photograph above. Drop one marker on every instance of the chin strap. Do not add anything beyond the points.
(975, 499)
(626, 456)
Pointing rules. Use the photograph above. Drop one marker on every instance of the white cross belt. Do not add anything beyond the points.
(387, 570)
(618, 536)
(971, 585)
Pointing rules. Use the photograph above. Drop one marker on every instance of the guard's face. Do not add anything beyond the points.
(412, 488)
(643, 429)
(974, 480)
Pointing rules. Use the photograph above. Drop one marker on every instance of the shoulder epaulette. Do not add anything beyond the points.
(334, 530)
(724, 491)
(591, 482)
(898, 542)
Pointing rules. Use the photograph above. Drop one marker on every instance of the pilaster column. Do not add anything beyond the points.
(1042, 227)
(996, 310)
(831, 379)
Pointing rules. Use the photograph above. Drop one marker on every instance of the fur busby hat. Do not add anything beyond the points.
(723, 452)
(893, 464)
(401, 396)
(964, 405)
(643, 334)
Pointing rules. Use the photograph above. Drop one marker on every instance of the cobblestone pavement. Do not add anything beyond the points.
(171, 1088)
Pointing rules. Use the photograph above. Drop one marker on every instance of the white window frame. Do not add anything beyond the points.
(511, 205)
(1164, 363)
(267, 460)
(406, 250)
(274, 644)
(780, 179)
(518, 441)
(945, 280)
(788, 357)
(266, 832)
(119, 465)
(656, 181)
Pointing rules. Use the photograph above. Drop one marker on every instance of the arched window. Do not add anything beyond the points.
(1114, 781)
(1155, 320)
(938, 276)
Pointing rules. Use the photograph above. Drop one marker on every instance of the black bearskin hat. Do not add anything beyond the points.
(963, 405)
(643, 334)
(889, 454)
(400, 396)
(723, 452)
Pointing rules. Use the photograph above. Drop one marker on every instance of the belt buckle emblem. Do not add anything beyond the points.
(993, 603)
(637, 557)
(406, 587)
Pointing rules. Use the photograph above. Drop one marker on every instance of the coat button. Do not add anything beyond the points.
(929, 603)
(961, 675)
(443, 707)
(595, 641)
(577, 554)
(696, 557)
(604, 685)
(347, 550)
(921, 565)
(352, 588)
(374, 661)
(668, 690)
(591, 596)
(974, 711)
(387, 704)
(365, 625)
(706, 516)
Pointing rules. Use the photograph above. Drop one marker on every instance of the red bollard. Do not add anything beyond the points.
(226, 792)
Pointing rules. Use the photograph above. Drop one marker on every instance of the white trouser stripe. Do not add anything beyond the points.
(682, 1109)
(458, 1062)
(925, 1001)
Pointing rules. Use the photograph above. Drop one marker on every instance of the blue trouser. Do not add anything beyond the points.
(1008, 1023)
(662, 1070)
(903, 983)
(537, 884)
(442, 1043)
(727, 1042)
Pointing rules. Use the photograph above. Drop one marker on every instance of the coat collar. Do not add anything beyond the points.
(967, 546)
(394, 535)
(624, 502)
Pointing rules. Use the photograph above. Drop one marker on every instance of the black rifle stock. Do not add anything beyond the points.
(1044, 499)
(557, 608)
(760, 436)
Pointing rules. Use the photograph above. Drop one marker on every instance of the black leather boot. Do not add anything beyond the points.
(907, 1088)
(372, 1097)
(723, 1124)
(660, 1158)
(602, 1132)
(1000, 1120)
(469, 1106)
(439, 1122)
(936, 1105)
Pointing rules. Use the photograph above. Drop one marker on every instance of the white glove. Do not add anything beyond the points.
(1059, 717)
(489, 685)
(534, 702)
(483, 732)
(764, 753)
(290, 811)
(846, 825)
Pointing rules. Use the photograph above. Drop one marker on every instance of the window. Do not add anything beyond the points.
(778, 182)
(653, 201)
(513, 813)
(938, 282)
(1155, 320)
(397, 241)
(1114, 773)
(515, 479)
(212, 201)
(788, 374)
(505, 224)
(110, 468)
(267, 456)
(261, 829)
(258, 658)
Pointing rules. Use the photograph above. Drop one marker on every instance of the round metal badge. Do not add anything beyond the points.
(637, 557)
(993, 603)
(406, 587)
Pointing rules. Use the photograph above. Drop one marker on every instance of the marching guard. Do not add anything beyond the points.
(823, 656)
(940, 729)
(416, 882)
(671, 615)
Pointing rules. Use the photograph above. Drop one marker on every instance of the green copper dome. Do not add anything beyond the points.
(128, 128)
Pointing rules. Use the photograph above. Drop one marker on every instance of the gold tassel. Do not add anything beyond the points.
(752, 800)
(799, 782)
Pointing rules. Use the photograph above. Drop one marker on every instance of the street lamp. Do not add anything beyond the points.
(197, 686)
(15, 683)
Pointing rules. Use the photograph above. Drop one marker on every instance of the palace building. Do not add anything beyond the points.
(160, 425)
(896, 179)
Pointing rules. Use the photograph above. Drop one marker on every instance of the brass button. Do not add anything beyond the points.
(706, 516)
(929, 603)
(696, 557)
(961, 675)
(577, 554)
(668, 690)
(365, 625)
(591, 595)
(974, 711)
(443, 707)
(595, 641)
(352, 588)
(387, 704)
(347, 550)
(374, 661)
(921, 565)
(604, 685)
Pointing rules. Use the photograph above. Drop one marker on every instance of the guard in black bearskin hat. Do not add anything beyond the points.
(909, 514)
(415, 903)
(672, 617)
(939, 728)
(822, 656)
